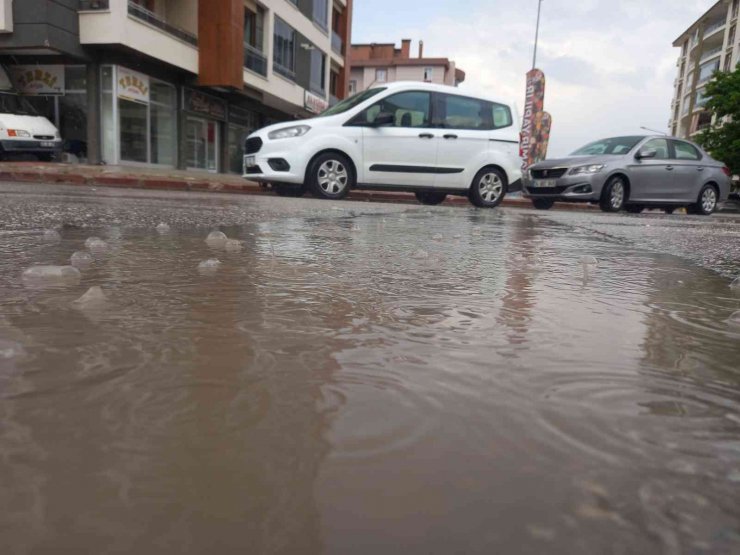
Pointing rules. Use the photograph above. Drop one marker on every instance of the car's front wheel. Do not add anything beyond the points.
(614, 195)
(488, 188)
(431, 198)
(543, 203)
(331, 176)
(707, 203)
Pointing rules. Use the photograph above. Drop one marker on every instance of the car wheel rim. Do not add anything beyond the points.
(617, 196)
(490, 187)
(333, 177)
(709, 200)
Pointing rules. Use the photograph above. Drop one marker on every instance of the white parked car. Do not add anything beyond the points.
(429, 139)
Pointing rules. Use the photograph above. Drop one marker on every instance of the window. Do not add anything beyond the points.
(460, 112)
(254, 28)
(352, 87)
(660, 146)
(685, 151)
(284, 49)
(707, 70)
(428, 74)
(146, 4)
(321, 13)
(333, 83)
(381, 75)
(318, 72)
(163, 131)
(409, 109)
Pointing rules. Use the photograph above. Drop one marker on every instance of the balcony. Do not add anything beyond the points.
(713, 28)
(141, 13)
(94, 5)
(255, 60)
(337, 44)
(710, 53)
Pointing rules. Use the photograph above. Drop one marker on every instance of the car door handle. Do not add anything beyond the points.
(700, 169)
(426, 136)
(669, 168)
(450, 136)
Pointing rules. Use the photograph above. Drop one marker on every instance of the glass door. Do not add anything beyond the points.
(201, 138)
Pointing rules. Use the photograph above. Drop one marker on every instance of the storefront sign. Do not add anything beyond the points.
(315, 104)
(133, 85)
(533, 108)
(207, 105)
(38, 80)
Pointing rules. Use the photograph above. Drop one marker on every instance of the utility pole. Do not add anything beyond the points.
(537, 34)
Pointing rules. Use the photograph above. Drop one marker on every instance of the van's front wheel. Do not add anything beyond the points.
(331, 176)
(488, 188)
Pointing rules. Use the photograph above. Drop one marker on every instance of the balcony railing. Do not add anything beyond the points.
(710, 53)
(141, 13)
(280, 69)
(255, 60)
(94, 5)
(337, 44)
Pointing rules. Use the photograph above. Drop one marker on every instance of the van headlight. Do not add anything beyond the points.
(18, 133)
(289, 132)
(580, 170)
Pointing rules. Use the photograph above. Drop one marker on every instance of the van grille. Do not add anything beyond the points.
(253, 145)
(44, 137)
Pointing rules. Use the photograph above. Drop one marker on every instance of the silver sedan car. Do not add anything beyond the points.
(632, 173)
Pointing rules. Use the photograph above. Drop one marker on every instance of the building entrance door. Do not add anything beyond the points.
(202, 138)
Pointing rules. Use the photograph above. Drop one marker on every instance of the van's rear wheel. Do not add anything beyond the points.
(331, 176)
(431, 198)
(488, 188)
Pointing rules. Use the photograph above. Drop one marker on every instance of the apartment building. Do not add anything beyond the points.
(710, 44)
(381, 63)
(174, 83)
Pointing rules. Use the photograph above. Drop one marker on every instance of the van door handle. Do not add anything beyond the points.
(426, 136)
(669, 168)
(450, 136)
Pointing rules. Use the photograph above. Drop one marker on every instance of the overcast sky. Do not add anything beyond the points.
(610, 64)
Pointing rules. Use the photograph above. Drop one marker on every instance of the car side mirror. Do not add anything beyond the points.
(646, 153)
(384, 118)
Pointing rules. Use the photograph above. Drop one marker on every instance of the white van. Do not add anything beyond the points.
(22, 129)
(429, 139)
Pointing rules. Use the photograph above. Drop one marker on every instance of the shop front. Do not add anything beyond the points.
(204, 116)
(138, 119)
(59, 93)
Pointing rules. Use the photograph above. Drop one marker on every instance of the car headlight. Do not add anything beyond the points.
(18, 133)
(580, 170)
(289, 132)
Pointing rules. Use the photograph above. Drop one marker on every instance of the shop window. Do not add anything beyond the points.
(163, 129)
(133, 136)
(108, 119)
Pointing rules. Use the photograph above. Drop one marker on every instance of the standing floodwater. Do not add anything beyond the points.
(361, 378)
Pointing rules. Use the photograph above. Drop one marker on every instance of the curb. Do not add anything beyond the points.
(217, 186)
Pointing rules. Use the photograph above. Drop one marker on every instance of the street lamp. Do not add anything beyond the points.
(653, 130)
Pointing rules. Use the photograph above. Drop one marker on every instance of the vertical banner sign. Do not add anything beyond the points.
(540, 137)
(533, 109)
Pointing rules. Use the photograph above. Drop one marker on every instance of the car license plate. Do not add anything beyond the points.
(47, 144)
(250, 161)
(544, 183)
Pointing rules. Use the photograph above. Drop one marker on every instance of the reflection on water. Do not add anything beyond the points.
(327, 389)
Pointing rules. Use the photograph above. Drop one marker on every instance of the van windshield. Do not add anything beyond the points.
(16, 105)
(349, 103)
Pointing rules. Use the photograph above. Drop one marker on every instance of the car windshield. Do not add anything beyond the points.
(17, 105)
(614, 146)
(351, 102)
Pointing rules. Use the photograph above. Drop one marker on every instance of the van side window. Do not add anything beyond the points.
(460, 112)
(409, 109)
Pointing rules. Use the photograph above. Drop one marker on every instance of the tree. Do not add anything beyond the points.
(722, 139)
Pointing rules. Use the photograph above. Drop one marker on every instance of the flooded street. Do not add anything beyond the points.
(365, 378)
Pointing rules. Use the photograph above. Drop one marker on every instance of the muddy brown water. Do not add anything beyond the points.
(333, 389)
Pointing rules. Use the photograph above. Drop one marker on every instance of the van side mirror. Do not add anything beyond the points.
(646, 154)
(384, 118)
